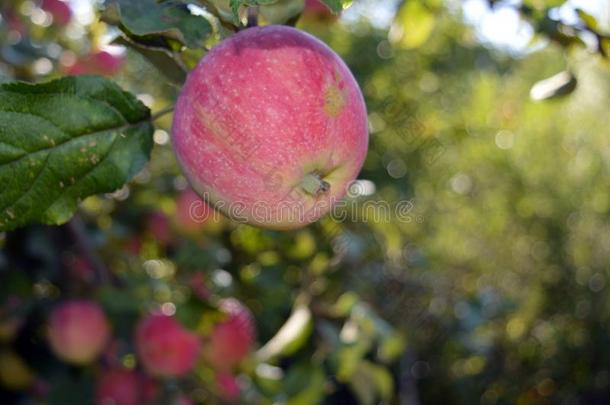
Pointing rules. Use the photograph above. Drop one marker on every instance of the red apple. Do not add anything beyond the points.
(81, 269)
(192, 213)
(119, 387)
(133, 245)
(271, 127)
(59, 9)
(183, 400)
(97, 63)
(228, 388)
(232, 339)
(199, 286)
(317, 9)
(150, 390)
(78, 331)
(160, 227)
(105, 63)
(165, 347)
(14, 23)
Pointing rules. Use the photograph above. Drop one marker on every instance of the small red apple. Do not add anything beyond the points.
(59, 9)
(150, 389)
(133, 245)
(317, 9)
(228, 388)
(159, 226)
(165, 347)
(101, 63)
(14, 23)
(183, 400)
(119, 387)
(81, 269)
(199, 286)
(232, 339)
(105, 63)
(271, 127)
(78, 331)
(192, 213)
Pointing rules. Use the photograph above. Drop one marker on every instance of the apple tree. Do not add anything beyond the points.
(181, 219)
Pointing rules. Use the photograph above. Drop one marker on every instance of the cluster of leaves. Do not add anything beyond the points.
(76, 137)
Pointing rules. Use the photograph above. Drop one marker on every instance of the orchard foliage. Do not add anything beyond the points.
(489, 287)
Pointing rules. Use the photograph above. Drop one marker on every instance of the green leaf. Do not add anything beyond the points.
(305, 384)
(588, 19)
(544, 4)
(413, 25)
(282, 11)
(371, 381)
(391, 347)
(161, 58)
(336, 6)
(158, 22)
(65, 140)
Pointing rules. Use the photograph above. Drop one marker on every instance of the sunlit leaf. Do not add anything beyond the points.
(65, 140)
(151, 20)
(412, 26)
(587, 18)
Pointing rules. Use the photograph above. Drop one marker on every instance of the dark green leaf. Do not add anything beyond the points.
(161, 58)
(151, 20)
(65, 140)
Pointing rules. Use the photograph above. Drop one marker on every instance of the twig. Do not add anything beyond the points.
(161, 113)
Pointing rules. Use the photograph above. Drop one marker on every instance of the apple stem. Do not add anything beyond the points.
(252, 17)
(313, 184)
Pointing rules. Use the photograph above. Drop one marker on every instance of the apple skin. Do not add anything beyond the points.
(119, 387)
(165, 347)
(271, 128)
(232, 339)
(78, 331)
(59, 9)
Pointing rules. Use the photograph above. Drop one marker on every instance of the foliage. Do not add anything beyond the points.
(488, 286)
